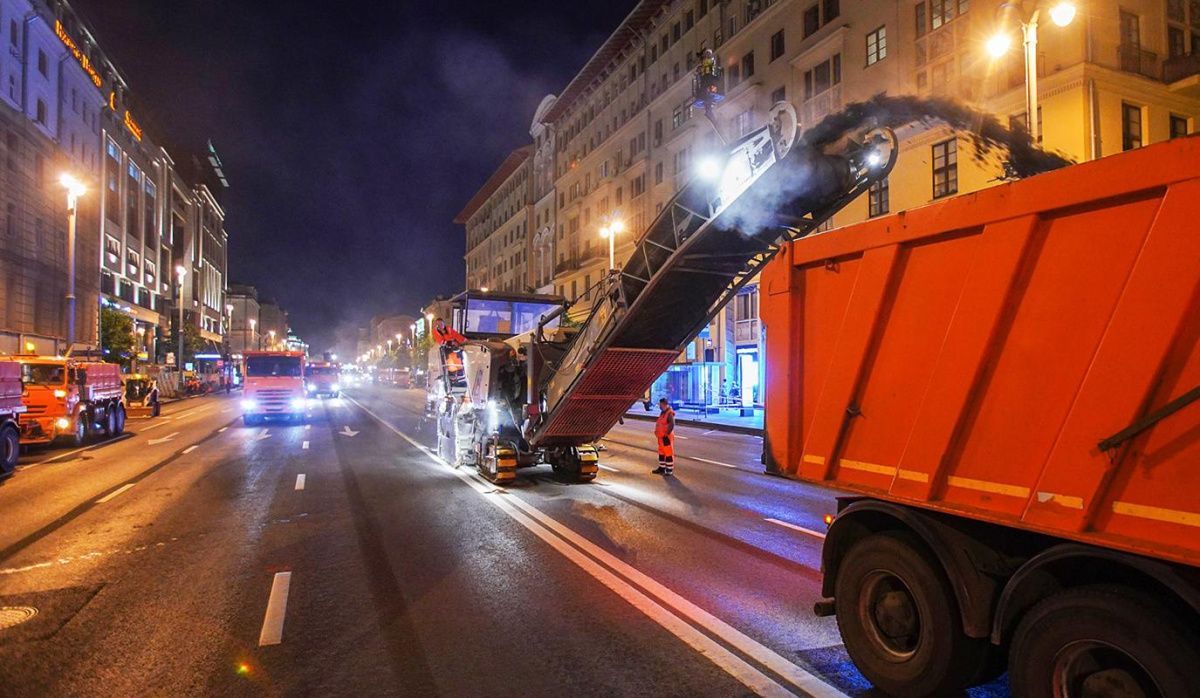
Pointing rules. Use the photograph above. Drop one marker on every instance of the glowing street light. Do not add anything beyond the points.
(610, 233)
(75, 189)
(1062, 13)
(180, 273)
(272, 333)
(708, 168)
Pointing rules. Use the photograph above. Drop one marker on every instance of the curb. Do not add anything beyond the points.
(715, 426)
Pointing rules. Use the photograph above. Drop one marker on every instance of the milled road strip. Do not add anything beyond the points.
(794, 527)
(638, 588)
(300, 481)
(272, 627)
(191, 448)
(115, 493)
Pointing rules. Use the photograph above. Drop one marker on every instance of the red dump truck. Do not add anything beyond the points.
(70, 398)
(11, 408)
(1007, 384)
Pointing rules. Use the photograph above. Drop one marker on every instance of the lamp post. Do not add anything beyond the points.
(75, 189)
(180, 272)
(253, 332)
(1062, 14)
(271, 346)
(610, 232)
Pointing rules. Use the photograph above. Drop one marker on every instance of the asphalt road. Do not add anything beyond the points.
(199, 556)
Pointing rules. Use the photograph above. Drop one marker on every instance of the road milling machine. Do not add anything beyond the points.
(526, 388)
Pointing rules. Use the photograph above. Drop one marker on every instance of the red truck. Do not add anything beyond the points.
(1007, 384)
(274, 386)
(11, 408)
(322, 379)
(70, 398)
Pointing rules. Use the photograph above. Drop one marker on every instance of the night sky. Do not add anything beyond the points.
(351, 133)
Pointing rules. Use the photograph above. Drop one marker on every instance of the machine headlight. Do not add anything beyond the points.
(249, 405)
(335, 387)
(60, 393)
(62, 423)
(311, 388)
(299, 403)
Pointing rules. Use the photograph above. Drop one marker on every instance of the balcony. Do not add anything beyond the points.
(1135, 59)
(1182, 73)
(565, 266)
(745, 331)
(822, 105)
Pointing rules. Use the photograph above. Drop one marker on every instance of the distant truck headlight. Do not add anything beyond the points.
(249, 405)
(311, 388)
(335, 387)
(62, 423)
(299, 403)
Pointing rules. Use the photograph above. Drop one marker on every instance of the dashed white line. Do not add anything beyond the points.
(300, 482)
(609, 468)
(713, 462)
(221, 429)
(272, 627)
(308, 426)
(794, 527)
(304, 445)
(191, 448)
(152, 426)
(115, 493)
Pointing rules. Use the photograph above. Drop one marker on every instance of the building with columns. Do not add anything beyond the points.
(625, 138)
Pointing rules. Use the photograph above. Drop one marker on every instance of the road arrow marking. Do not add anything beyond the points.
(346, 431)
(168, 437)
(266, 434)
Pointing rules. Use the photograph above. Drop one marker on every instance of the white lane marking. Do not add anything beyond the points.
(609, 468)
(347, 431)
(308, 426)
(191, 448)
(794, 527)
(221, 430)
(605, 568)
(272, 627)
(713, 462)
(227, 409)
(304, 445)
(710, 431)
(266, 434)
(681, 437)
(300, 481)
(168, 437)
(152, 426)
(115, 493)
(122, 437)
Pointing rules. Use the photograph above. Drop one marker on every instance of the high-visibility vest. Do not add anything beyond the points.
(662, 426)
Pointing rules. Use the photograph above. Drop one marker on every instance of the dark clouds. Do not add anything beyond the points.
(351, 133)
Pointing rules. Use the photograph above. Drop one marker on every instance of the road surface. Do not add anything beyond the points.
(340, 557)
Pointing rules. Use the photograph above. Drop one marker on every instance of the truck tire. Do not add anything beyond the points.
(110, 422)
(120, 419)
(1103, 641)
(10, 449)
(83, 428)
(900, 621)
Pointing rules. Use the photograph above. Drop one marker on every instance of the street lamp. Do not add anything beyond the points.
(1061, 13)
(610, 232)
(253, 331)
(180, 272)
(75, 189)
(271, 346)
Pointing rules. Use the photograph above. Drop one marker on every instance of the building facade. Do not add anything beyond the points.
(624, 136)
(65, 108)
(272, 325)
(498, 220)
(244, 334)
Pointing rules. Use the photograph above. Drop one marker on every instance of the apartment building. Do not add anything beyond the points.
(1120, 75)
(498, 221)
(244, 334)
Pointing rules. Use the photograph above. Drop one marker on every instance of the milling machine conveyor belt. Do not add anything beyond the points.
(706, 244)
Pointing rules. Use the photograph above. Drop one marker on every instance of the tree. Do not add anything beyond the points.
(193, 343)
(116, 336)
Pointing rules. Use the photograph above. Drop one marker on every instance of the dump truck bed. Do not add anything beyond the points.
(970, 356)
(10, 388)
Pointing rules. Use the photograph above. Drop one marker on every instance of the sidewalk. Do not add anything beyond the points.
(727, 420)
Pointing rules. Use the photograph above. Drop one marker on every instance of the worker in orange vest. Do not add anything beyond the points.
(664, 435)
(445, 334)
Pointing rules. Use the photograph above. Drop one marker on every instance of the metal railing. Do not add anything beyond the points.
(1181, 67)
(1135, 59)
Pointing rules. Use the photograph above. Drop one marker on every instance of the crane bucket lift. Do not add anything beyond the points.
(709, 241)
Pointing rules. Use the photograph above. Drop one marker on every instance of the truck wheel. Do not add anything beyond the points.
(10, 449)
(899, 619)
(83, 428)
(119, 419)
(110, 422)
(1103, 641)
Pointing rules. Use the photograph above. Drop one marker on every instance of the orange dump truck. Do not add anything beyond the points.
(11, 408)
(70, 398)
(1007, 384)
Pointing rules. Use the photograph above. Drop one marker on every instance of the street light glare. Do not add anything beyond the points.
(605, 232)
(1062, 13)
(73, 186)
(708, 168)
(180, 271)
(617, 227)
(999, 44)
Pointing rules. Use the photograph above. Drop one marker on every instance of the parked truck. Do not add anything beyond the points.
(11, 409)
(1007, 384)
(71, 399)
(274, 387)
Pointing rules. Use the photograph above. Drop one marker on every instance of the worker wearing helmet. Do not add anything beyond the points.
(664, 436)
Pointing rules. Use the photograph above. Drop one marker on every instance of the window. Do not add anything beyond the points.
(14, 34)
(658, 133)
(941, 11)
(43, 64)
(831, 9)
(748, 66)
(877, 198)
(922, 22)
(877, 46)
(658, 173)
(823, 75)
(10, 220)
(733, 75)
(1022, 121)
(41, 113)
(777, 45)
(664, 44)
(703, 8)
(945, 168)
(743, 123)
(689, 20)
(779, 95)
(1176, 44)
(638, 186)
(1131, 126)
(812, 21)
(39, 170)
(676, 32)
(1179, 126)
(150, 274)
